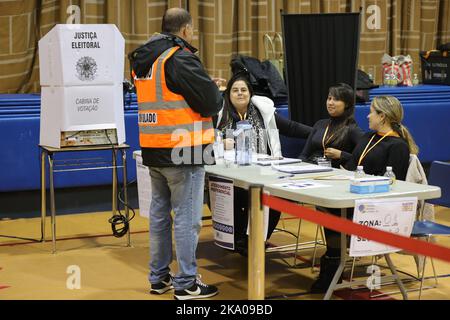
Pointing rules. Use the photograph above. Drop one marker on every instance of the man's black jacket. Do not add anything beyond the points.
(185, 76)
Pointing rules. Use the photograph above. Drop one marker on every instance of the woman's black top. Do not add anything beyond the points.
(290, 128)
(346, 142)
(391, 151)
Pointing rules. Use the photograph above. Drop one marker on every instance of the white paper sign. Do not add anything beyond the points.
(144, 187)
(222, 208)
(395, 215)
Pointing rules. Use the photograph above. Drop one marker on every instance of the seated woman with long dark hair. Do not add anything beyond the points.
(334, 138)
(337, 136)
(240, 104)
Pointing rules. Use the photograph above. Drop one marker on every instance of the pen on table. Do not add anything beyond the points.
(286, 176)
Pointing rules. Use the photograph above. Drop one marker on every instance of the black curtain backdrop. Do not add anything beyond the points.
(320, 50)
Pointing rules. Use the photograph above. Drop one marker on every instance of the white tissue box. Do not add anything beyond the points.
(369, 185)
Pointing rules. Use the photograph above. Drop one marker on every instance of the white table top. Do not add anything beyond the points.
(336, 195)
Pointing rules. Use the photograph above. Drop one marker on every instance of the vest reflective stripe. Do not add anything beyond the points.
(178, 140)
(161, 105)
(198, 126)
(159, 73)
(165, 119)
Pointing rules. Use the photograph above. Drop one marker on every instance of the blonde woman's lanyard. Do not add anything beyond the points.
(366, 151)
(324, 136)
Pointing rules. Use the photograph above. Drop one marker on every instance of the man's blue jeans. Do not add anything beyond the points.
(181, 189)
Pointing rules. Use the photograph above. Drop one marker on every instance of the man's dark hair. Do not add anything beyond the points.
(174, 19)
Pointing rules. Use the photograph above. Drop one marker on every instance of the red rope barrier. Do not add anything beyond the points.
(346, 226)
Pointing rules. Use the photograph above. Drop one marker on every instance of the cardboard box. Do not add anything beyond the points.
(82, 55)
(369, 185)
(79, 109)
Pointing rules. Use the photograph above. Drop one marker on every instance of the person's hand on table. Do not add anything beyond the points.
(332, 153)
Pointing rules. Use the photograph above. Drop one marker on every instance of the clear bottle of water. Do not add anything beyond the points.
(391, 175)
(393, 80)
(387, 80)
(371, 75)
(415, 80)
(359, 173)
(243, 144)
(219, 145)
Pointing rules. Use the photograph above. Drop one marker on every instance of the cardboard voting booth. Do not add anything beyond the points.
(81, 55)
(81, 76)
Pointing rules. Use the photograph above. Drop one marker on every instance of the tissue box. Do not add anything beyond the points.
(369, 185)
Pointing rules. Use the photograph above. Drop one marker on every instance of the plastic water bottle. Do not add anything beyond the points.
(243, 135)
(415, 80)
(218, 145)
(359, 173)
(391, 175)
(393, 77)
(387, 80)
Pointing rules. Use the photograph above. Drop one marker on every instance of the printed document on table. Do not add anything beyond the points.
(312, 168)
(275, 161)
(262, 159)
(303, 184)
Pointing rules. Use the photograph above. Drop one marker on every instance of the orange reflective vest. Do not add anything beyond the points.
(165, 118)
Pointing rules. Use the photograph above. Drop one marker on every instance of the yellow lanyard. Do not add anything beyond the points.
(324, 136)
(242, 117)
(365, 152)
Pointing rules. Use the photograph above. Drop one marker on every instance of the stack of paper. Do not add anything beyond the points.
(267, 161)
(312, 168)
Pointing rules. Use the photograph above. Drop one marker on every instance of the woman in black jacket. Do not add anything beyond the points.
(389, 144)
(337, 136)
(334, 138)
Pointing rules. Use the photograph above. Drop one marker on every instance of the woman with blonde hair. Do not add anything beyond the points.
(389, 144)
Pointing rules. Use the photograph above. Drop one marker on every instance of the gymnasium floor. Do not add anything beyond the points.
(110, 270)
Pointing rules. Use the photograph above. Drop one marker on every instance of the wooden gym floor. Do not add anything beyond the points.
(111, 270)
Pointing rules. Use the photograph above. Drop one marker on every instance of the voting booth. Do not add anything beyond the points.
(81, 76)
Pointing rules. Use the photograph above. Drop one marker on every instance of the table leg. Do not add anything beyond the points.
(52, 201)
(43, 195)
(125, 195)
(340, 269)
(114, 183)
(256, 252)
(396, 276)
